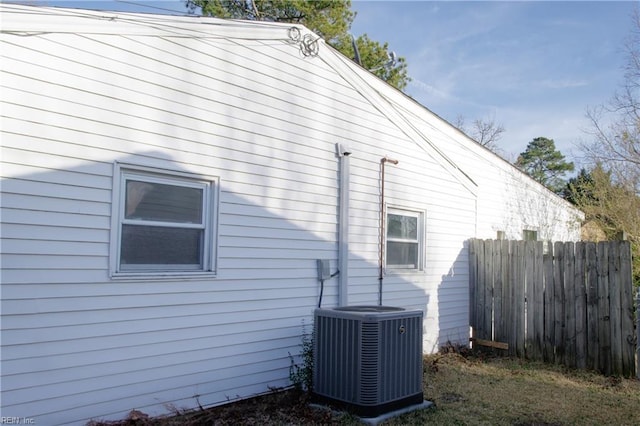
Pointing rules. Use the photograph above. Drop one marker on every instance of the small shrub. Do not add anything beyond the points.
(301, 375)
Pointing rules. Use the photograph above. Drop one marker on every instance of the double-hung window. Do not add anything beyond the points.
(164, 223)
(405, 239)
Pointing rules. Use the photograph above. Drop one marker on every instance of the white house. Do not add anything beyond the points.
(168, 184)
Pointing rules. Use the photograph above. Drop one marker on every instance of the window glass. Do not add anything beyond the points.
(404, 239)
(405, 227)
(155, 245)
(402, 254)
(163, 202)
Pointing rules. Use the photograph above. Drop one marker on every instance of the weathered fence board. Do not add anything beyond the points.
(569, 303)
(592, 303)
(604, 332)
(627, 310)
(615, 310)
(558, 302)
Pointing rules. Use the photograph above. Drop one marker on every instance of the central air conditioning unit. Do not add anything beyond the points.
(368, 359)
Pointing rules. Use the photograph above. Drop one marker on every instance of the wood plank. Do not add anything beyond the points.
(519, 299)
(549, 310)
(506, 293)
(604, 319)
(538, 301)
(615, 312)
(570, 313)
(626, 299)
(580, 301)
(487, 315)
(490, 343)
(591, 277)
(480, 284)
(498, 291)
(513, 284)
(558, 304)
(529, 281)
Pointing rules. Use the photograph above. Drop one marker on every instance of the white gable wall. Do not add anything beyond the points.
(508, 200)
(244, 106)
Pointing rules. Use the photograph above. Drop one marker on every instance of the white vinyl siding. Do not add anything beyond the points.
(77, 344)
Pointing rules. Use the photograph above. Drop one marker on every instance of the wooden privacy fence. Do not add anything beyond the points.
(568, 303)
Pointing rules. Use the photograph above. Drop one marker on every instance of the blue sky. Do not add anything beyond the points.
(533, 66)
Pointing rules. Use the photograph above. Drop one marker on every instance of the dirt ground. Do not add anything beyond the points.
(289, 407)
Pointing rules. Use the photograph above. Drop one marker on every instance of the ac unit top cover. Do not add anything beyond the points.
(368, 313)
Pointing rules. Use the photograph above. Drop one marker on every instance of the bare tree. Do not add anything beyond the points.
(613, 153)
(615, 126)
(486, 131)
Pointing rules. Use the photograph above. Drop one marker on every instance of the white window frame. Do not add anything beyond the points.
(421, 240)
(210, 186)
(530, 230)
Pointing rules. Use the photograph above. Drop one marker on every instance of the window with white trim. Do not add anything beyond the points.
(405, 239)
(164, 221)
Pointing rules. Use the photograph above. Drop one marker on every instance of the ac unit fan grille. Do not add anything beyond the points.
(370, 364)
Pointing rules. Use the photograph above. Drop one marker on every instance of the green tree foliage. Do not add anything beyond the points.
(376, 58)
(544, 163)
(580, 188)
(330, 19)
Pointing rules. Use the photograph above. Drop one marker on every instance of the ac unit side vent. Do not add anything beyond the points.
(368, 360)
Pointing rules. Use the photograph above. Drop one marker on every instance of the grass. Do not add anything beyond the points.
(503, 391)
(467, 390)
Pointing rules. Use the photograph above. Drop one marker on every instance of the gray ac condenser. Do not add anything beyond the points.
(368, 358)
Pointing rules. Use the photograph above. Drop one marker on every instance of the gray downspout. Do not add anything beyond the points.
(343, 225)
(381, 251)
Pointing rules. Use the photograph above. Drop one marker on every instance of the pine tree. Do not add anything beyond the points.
(330, 19)
(544, 163)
